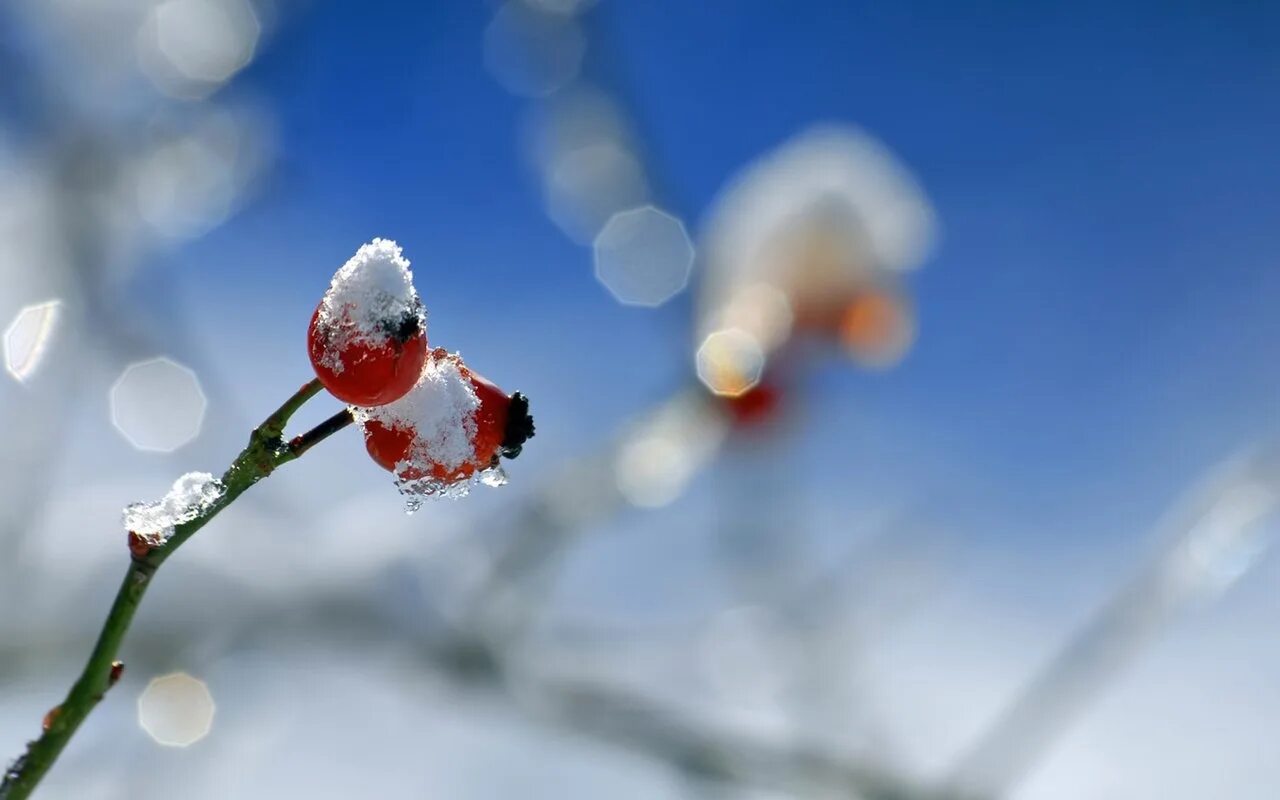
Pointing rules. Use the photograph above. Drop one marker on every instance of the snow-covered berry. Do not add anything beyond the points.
(450, 427)
(368, 337)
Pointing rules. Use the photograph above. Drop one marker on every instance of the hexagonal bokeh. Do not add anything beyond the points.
(157, 405)
(643, 256)
(190, 47)
(730, 362)
(176, 710)
(26, 340)
(532, 51)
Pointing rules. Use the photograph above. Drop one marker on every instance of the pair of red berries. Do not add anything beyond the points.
(424, 413)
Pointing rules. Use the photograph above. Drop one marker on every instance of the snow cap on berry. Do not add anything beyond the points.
(370, 299)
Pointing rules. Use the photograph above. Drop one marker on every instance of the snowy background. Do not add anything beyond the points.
(875, 577)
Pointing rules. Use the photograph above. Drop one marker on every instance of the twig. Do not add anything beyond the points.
(265, 452)
(304, 442)
(1215, 538)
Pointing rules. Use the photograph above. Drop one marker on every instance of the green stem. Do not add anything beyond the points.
(266, 450)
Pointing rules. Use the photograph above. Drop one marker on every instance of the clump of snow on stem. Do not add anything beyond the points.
(191, 496)
(369, 299)
(441, 411)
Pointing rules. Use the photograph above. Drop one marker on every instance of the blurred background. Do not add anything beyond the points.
(904, 376)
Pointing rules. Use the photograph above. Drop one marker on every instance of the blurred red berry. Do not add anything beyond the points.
(366, 373)
(756, 406)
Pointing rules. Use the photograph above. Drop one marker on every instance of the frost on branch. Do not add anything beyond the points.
(370, 298)
(191, 495)
(437, 419)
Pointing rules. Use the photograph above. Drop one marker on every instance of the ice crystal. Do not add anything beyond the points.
(417, 490)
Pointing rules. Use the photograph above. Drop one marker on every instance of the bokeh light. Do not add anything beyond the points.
(643, 256)
(176, 710)
(877, 328)
(587, 186)
(730, 362)
(582, 146)
(27, 338)
(652, 470)
(663, 453)
(189, 48)
(157, 405)
(185, 188)
(532, 52)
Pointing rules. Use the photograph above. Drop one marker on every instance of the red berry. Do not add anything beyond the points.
(491, 417)
(366, 373)
(387, 446)
(502, 424)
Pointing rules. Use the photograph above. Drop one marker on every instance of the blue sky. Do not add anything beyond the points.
(1097, 322)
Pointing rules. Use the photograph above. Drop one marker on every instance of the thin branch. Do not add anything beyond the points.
(273, 426)
(266, 451)
(304, 442)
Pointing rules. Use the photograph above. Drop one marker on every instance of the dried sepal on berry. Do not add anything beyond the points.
(368, 336)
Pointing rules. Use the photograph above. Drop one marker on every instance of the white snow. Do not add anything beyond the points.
(372, 291)
(190, 496)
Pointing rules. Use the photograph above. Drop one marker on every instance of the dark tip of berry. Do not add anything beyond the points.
(519, 426)
(405, 328)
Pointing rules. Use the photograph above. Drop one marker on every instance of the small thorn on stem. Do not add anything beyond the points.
(113, 677)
